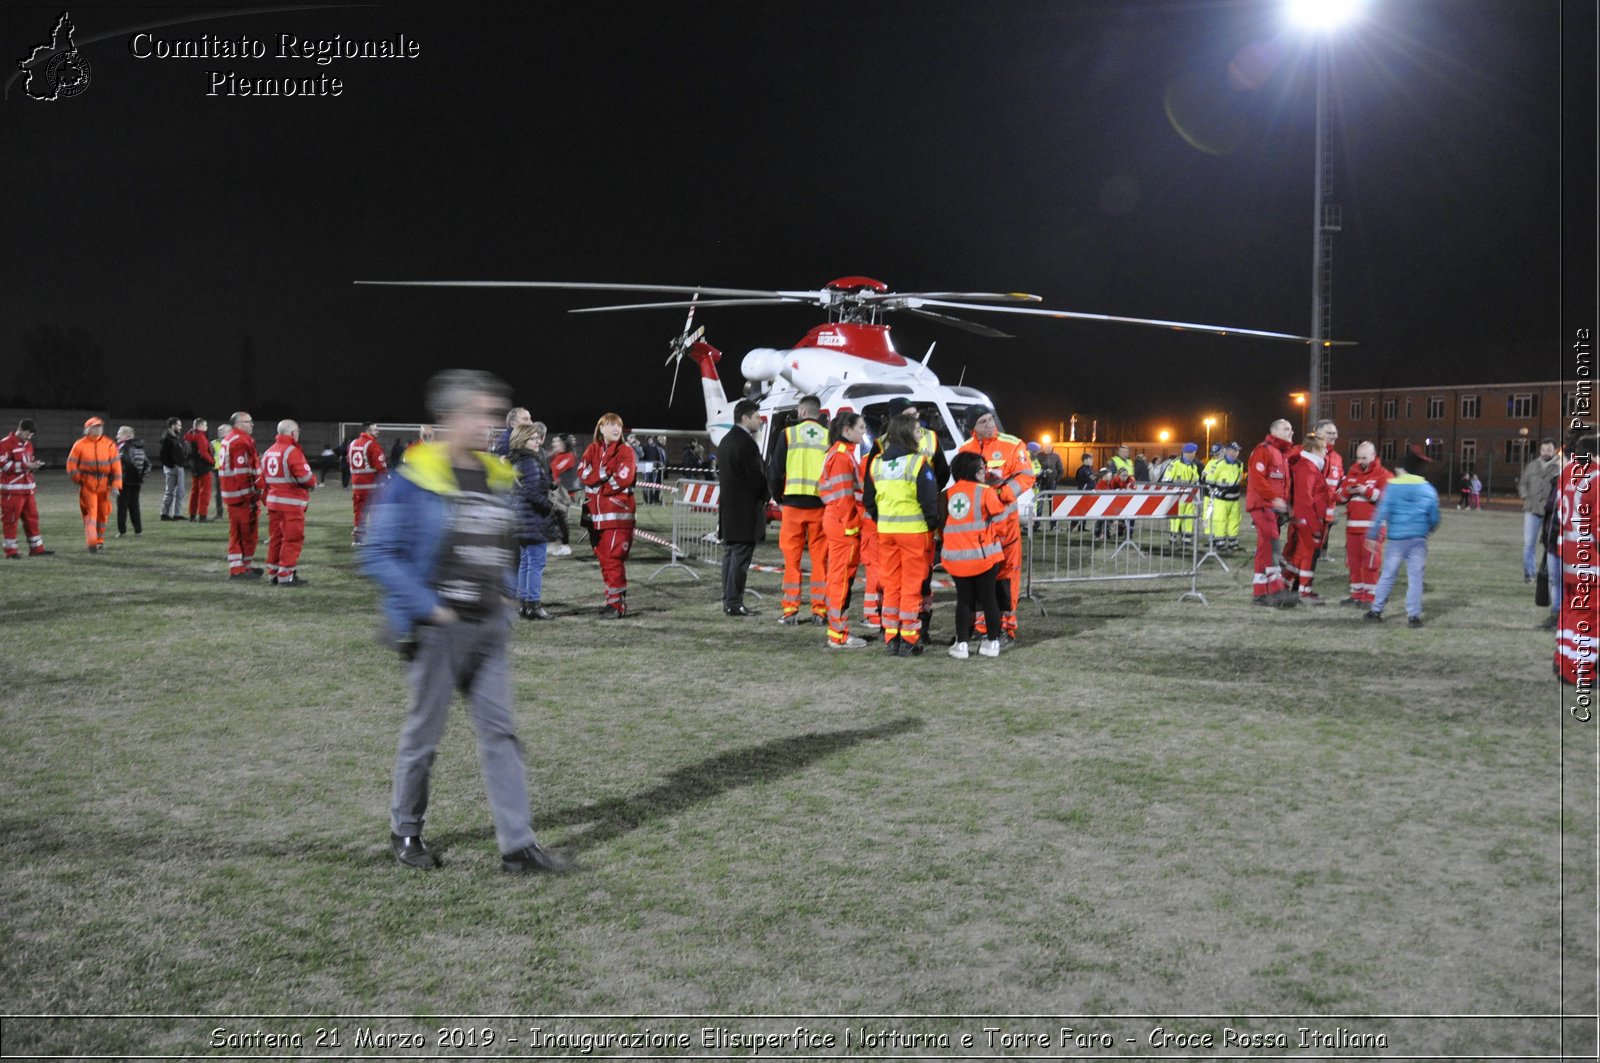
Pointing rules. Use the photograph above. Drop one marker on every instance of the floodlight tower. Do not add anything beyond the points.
(1322, 18)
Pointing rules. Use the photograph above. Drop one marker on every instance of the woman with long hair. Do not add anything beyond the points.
(900, 493)
(840, 490)
(607, 471)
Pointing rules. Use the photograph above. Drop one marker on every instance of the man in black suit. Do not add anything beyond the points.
(741, 502)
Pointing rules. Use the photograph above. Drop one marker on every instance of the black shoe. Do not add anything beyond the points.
(533, 859)
(739, 610)
(411, 852)
(1374, 616)
(1413, 621)
(249, 573)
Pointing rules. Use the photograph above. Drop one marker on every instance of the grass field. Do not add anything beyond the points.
(1158, 814)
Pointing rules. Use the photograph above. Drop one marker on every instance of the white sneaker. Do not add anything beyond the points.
(850, 643)
(959, 651)
(989, 648)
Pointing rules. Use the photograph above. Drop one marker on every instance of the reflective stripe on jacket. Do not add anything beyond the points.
(971, 534)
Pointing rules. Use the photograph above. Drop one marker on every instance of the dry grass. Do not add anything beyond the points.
(1149, 809)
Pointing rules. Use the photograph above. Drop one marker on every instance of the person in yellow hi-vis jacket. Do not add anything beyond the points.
(96, 467)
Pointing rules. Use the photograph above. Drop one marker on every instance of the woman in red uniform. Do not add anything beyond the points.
(607, 472)
(840, 488)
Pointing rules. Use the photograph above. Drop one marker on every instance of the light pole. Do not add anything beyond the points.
(1322, 18)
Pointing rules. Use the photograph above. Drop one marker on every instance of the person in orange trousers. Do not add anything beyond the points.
(793, 470)
(900, 492)
(840, 490)
(96, 467)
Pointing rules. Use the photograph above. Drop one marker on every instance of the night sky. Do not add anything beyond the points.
(1101, 155)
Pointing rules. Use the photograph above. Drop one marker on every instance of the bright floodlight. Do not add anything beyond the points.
(1322, 14)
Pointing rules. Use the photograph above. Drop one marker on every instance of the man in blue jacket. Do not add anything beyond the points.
(1410, 510)
(441, 542)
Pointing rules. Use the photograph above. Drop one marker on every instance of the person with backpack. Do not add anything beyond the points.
(135, 464)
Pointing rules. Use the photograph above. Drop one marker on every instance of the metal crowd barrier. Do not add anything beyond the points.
(1083, 536)
(694, 526)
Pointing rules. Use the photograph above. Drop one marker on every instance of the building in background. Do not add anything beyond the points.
(1489, 429)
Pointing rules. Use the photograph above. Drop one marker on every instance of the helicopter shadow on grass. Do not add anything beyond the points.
(603, 821)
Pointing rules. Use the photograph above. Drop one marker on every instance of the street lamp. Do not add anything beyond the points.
(1322, 18)
(1210, 423)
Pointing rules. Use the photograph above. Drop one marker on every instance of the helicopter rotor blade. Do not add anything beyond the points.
(582, 286)
(956, 322)
(1182, 326)
(984, 297)
(702, 302)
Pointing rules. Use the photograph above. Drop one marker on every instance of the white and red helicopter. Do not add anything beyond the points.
(850, 361)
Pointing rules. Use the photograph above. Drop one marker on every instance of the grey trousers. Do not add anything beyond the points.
(471, 658)
(173, 496)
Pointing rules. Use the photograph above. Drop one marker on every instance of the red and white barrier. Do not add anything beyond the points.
(1123, 505)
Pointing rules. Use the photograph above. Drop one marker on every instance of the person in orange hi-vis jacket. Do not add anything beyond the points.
(287, 480)
(1008, 468)
(840, 491)
(96, 467)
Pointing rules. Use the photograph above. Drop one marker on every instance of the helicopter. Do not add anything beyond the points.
(849, 361)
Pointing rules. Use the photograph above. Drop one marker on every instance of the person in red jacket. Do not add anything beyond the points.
(1577, 502)
(1266, 499)
(607, 471)
(17, 503)
(840, 491)
(238, 470)
(201, 466)
(287, 481)
(1360, 490)
(1309, 502)
(368, 468)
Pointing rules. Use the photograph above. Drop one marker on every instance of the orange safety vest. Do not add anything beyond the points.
(973, 513)
(94, 463)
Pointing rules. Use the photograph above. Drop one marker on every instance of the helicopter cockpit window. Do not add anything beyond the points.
(929, 415)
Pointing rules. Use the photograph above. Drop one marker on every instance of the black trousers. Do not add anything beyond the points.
(128, 507)
(977, 592)
(735, 570)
